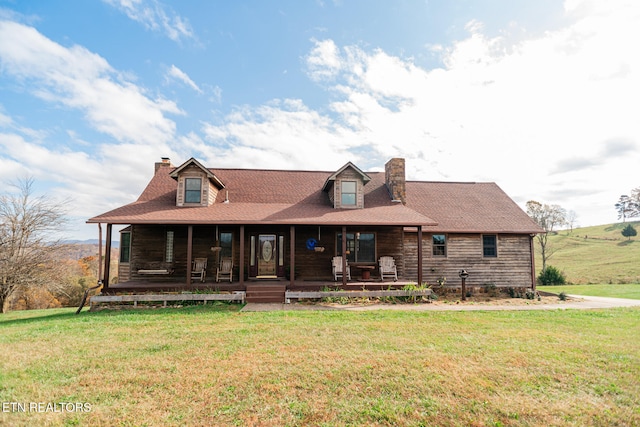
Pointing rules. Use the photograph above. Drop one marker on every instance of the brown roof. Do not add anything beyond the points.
(296, 198)
(469, 207)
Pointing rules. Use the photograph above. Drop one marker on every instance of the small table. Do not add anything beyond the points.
(366, 271)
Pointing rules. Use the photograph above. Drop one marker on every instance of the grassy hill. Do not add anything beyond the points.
(598, 254)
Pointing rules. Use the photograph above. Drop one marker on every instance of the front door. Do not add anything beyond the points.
(267, 256)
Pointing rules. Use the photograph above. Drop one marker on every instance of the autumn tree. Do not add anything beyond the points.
(549, 217)
(28, 226)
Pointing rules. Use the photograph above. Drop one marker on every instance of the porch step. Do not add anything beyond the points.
(262, 293)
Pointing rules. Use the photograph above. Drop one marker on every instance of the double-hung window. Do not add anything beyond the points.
(349, 189)
(439, 245)
(490, 245)
(192, 190)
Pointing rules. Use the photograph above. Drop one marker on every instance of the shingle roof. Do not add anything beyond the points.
(296, 198)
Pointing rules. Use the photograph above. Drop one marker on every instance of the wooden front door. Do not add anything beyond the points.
(267, 256)
(266, 259)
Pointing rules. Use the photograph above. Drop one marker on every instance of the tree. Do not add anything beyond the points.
(27, 244)
(626, 207)
(629, 231)
(572, 217)
(635, 199)
(549, 217)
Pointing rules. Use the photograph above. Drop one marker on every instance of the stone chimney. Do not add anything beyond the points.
(165, 162)
(395, 180)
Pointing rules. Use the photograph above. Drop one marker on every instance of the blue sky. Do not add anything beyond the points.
(540, 97)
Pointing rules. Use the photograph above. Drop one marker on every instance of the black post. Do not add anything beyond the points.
(463, 275)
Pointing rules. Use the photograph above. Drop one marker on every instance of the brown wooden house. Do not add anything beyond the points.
(271, 223)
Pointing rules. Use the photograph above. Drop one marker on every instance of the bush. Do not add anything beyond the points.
(552, 276)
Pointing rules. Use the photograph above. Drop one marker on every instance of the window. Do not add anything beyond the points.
(361, 247)
(226, 242)
(125, 246)
(348, 193)
(439, 245)
(490, 245)
(169, 247)
(192, 190)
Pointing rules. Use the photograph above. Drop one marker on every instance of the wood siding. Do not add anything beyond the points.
(148, 248)
(349, 175)
(512, 266)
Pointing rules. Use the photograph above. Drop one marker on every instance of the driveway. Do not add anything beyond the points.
(574, 302)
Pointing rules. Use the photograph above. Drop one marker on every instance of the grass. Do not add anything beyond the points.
(630, 291)
(212, 365)
(595, 255)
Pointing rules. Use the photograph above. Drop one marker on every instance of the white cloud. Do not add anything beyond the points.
(176, 73)
(155, 17)
(80, 79)
(532, 114)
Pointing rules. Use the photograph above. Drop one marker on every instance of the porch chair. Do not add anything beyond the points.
(199, 269)
(336, 265)
(225, 269)
(388, 268)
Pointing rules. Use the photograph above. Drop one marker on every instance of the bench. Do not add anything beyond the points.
(157, 272)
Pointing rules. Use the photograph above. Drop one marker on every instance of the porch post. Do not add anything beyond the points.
(107, 258)
(292, 255)
(99, 251)
(241, 270)
(533, 263)
(419, 255)
(344, 255)
(189, 252)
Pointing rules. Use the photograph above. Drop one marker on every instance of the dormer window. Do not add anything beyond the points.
(349, 193)
(197, 185)
(193, 190)
(345, 187)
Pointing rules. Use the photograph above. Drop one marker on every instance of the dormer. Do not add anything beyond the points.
(346, 187)
(197, 186)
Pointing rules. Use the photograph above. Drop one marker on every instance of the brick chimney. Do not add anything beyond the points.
(165, 162)
(395, 180)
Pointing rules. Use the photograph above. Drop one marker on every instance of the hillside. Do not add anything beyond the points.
(598, 254)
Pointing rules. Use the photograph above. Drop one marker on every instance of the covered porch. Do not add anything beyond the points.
(290, 252)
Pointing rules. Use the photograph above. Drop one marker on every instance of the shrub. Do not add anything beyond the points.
(551, 276)
(562, 296)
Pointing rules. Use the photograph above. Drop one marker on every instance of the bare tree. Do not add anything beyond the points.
(572, 217)
(28, 226)
(626, 207)
(635, 200)
(549, 217)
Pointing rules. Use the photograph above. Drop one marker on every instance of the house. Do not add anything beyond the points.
(270, 223)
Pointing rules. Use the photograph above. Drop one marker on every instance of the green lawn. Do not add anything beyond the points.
(211, 365)
(631, 291)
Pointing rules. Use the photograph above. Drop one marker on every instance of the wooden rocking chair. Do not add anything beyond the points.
(225, 270)
(388, 268)
(199, 270)
(336, 266)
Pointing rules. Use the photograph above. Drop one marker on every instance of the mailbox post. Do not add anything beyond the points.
(463, 275)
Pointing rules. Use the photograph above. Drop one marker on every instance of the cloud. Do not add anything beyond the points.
(155, 16)
(77, 78)
(176, 73)
(530, 113)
